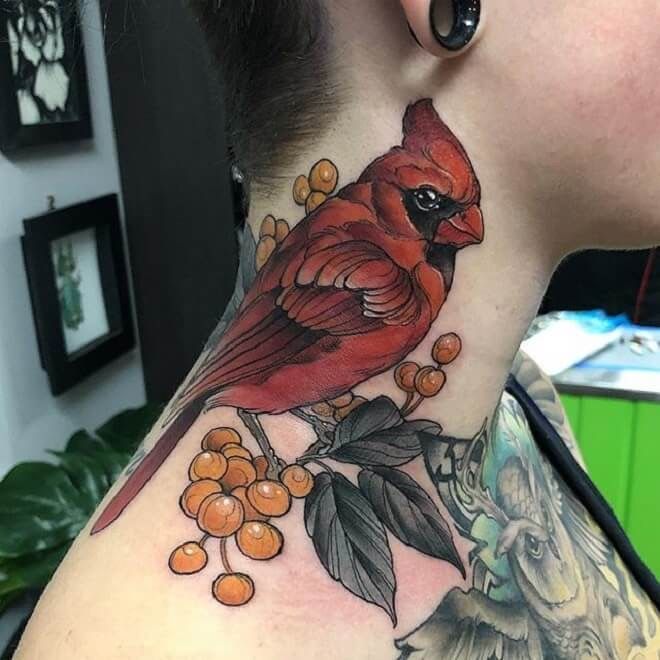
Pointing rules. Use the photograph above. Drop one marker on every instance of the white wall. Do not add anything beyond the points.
(31, 420)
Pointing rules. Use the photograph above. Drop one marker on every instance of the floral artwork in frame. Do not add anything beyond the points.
(43, 81)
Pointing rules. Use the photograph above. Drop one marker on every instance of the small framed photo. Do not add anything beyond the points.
(76, 269)
(43, 82)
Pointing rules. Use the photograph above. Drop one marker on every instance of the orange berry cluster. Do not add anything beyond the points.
(427, 381)
(338, 408)
(311, 191)
(271, 234)
(229, 495)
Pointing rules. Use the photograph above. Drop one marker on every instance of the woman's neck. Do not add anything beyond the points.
(497, 285)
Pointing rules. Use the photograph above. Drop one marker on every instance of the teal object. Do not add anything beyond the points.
(69, 288)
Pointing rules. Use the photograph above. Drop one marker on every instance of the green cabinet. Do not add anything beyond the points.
(620, 441)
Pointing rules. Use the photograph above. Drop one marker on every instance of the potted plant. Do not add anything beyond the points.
(43, 506)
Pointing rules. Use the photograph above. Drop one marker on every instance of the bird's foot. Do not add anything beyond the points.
(325, 431)
(275, 463)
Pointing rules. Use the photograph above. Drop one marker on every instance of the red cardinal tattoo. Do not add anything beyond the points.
(351, 291)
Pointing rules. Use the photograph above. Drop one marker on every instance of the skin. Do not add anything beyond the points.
(557, 106)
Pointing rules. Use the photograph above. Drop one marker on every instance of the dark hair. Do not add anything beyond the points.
(275, 60)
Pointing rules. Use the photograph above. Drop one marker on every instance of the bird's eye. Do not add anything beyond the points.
(427, 198)
(533, 546)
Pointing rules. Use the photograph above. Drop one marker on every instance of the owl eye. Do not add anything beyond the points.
(427, 198)
(533, 546)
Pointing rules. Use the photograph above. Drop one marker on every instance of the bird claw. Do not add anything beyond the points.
(325, 431)
(251, 421)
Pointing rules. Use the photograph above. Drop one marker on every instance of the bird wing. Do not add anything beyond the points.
(585, 533)
(471, 625)
(366, 286)
(336, 288)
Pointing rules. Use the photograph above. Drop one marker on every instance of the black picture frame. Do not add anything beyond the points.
(73, 121)
(101, 215)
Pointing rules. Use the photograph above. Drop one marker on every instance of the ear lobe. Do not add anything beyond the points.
(417, 13)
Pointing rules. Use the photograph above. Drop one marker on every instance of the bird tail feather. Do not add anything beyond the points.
(149, 465)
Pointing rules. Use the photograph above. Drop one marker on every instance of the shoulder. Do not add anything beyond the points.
(540, 388)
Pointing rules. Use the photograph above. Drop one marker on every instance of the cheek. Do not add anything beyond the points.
(583, 71)
(575, 93)
(608, 71)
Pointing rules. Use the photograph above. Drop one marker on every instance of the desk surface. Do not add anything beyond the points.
(616, 372)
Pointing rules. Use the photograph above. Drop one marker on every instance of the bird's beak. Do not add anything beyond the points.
(466, 228)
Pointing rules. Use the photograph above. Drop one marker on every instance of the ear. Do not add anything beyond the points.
(428, 18)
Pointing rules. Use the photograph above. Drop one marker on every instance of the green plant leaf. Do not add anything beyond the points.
(87, 473)
(124, 432)
(113, 463)
(31, 571)
(44, 506)
(7, 600)
(94, 470)
(40, 508)
(81, 441)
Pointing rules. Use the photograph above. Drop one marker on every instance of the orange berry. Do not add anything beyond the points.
(314, 201)
(216, 439)
(220, 515)
(196, 493)
(236, 450)
(301, 189)
(233, 589)
(250, 513)
(267, 226)
(341, 401)
(323, 176)
(269, 497)
(261, 465)
(240, 472)
(446, 348)
(404, 376)
(298, 480)
(207, 465)
(429, 381)
(345, 411)
(259, 540)
(281, 230)
(188, 558)
(265, 248)
(323, 409)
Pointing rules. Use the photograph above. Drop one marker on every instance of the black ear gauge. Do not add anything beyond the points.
(414, 36)
(467, 14)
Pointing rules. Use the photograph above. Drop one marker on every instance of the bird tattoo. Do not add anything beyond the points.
(351, 291)
(540, 586)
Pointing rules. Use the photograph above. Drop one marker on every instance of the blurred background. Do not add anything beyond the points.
(157, 142)
(130, 244)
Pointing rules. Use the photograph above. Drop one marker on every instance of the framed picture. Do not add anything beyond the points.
(76, 268)
(43, 81)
